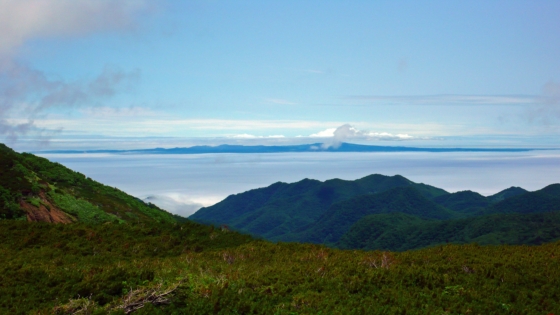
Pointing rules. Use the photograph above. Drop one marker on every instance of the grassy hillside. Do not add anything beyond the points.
(192, 269)
(35, 189)
(277, 211)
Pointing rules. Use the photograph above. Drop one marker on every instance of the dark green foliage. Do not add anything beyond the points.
(544, 200)
(35, 179)
(44, 269)
(341, 216)
(466, 202)
(400, 232)
(278, 211)
(46, 264)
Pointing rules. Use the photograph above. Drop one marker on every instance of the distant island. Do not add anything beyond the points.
(314, 147)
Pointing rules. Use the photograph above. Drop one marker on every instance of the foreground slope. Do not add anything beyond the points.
(277, 211)
(191, 269)
(34, 189)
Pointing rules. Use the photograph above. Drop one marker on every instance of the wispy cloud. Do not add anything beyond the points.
(161, 124)
(119, 112)
(548, 111)
(27, 93)
(446, 99)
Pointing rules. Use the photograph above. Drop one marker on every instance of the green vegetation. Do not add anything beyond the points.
(47, 187)
(101, 269)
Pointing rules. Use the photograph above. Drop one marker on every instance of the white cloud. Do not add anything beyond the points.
(347, 132)
(327, 133)
(24, 20)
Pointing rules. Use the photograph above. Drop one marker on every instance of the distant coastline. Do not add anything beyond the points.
(314, 147)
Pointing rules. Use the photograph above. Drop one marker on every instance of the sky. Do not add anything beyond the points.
(105, 74)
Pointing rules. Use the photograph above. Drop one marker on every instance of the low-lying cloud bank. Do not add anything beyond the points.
(174, 204)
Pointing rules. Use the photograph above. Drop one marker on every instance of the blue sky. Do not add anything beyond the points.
(109, 73)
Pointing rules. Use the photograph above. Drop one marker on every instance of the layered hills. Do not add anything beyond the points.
(34, 189)
(390, 213)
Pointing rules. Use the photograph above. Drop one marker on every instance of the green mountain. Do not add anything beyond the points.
(465, 202)
(401, 232)
(393, 213)
(281, 209)
(34, 189)
(342, 215)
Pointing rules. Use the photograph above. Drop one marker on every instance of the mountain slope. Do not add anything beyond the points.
(544, 200)
(506, 193)
(463, 201)
(281, 209)
(400, 232)
(34, 189)
(341, 216)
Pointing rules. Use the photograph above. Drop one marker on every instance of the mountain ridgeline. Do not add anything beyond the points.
(389, 213)
(34, 189)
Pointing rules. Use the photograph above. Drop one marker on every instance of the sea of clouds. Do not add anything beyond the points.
(183, 183)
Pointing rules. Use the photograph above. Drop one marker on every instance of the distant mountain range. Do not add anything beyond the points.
(314, 147)
(389, 213)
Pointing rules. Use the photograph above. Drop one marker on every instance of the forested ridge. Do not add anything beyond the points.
(389, 213)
